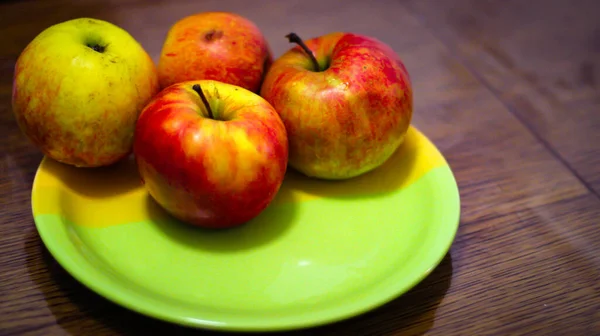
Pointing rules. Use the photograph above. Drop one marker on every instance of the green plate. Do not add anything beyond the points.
(321, 252)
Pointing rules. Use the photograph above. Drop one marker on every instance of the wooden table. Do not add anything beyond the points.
(508, 90)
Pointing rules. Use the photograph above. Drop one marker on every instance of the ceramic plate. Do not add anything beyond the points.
(321, 252)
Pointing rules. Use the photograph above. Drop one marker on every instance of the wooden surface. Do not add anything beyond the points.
(508, 90)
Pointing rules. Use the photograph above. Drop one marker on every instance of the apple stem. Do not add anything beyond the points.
(294, 38)
(198, 90)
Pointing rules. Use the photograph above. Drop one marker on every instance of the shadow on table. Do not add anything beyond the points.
(79, 310)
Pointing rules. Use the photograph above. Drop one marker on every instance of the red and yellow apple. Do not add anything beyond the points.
(78, 89)
(346, 101)
(215, 45)
(211, 154)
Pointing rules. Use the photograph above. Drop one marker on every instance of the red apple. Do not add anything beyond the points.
(215, 45)
(346, 101)
(210, 153)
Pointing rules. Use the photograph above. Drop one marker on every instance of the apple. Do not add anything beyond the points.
(78, 88)
(215, 45)
(346, 101)
(211, 154)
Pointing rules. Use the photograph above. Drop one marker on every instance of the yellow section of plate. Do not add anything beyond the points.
(117, 190)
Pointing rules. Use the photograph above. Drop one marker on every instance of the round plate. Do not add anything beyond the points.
(321, 252)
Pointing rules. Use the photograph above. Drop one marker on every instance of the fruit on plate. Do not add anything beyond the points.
(78, 88)
(220, 46)
(211, 154)
(346, 101)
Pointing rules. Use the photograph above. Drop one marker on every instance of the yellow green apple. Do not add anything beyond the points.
(78, 89)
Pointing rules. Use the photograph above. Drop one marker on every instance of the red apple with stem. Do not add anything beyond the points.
(346, 101)
(210, 153)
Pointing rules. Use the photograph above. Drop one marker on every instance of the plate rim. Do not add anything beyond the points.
(101, 289)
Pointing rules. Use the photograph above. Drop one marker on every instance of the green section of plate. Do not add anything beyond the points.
(297, 265)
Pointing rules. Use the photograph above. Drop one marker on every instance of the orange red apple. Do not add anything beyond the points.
(215, 45)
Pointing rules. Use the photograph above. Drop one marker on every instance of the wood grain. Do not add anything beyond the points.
(526, 259)
(541, 58)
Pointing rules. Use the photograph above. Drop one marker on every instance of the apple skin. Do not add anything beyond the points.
(215, 45)
(348, 119)
(77, 105)
(212, 173)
